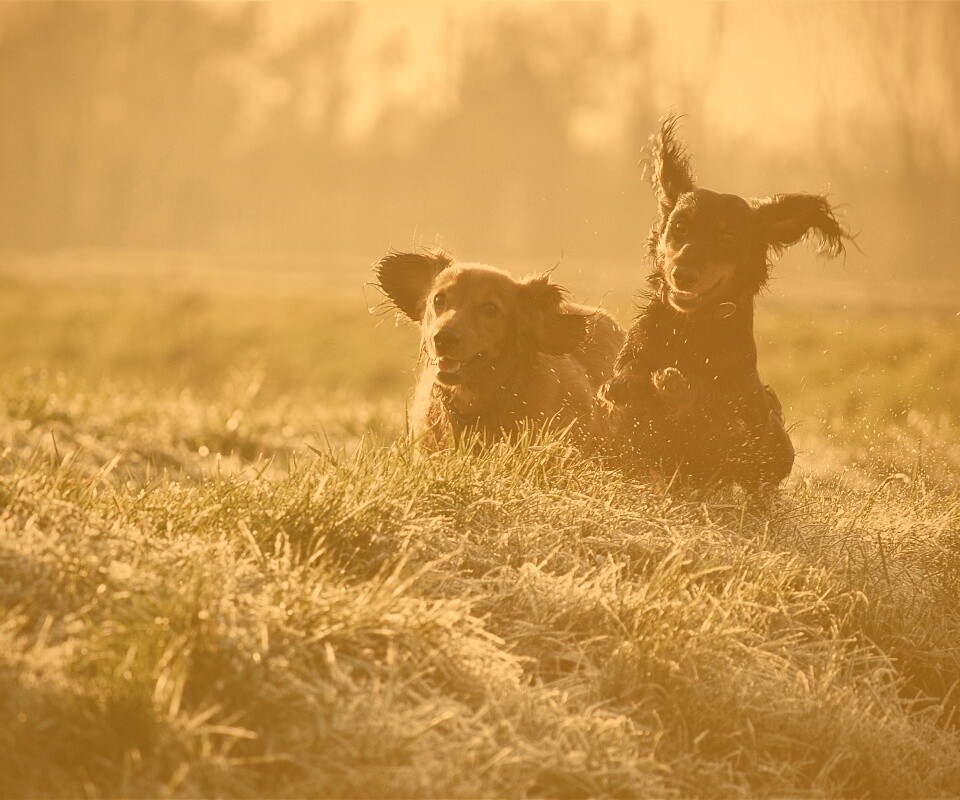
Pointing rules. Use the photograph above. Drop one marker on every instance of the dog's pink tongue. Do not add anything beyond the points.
(448, 365)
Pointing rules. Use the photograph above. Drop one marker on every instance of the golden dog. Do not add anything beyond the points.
(500, 352)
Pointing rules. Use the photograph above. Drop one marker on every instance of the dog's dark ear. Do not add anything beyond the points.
(552, 328)
(785, 219)
(672, 174)
(406, 278)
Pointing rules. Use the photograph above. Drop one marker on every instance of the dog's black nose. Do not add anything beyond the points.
(444, 339)
(685, 278)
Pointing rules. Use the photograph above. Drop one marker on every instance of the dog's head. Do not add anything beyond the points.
(476, 320)
(713, 248)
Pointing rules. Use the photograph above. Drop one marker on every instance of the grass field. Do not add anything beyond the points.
(224, 573)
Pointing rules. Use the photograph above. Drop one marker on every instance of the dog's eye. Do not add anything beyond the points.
(439, 300)
(489, 309)
(679, 228)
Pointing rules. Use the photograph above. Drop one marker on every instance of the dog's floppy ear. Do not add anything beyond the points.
(672, 175)
(406, 278)
(785, 219)
(553, 330)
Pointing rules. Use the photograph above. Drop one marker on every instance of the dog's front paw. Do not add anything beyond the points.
(674, 390)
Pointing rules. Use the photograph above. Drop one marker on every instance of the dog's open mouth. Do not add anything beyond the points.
(451, 370)
(710, 295)
(684, 301)
(689, 302)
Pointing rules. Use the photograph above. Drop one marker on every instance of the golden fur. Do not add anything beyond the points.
(499, 352)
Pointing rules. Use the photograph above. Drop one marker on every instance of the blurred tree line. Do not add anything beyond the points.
(510, 132)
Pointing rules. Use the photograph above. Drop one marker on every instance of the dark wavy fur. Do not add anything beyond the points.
(814, 217)
(670, 174)
(686, 396)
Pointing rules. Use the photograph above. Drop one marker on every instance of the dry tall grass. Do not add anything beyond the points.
(234, 588)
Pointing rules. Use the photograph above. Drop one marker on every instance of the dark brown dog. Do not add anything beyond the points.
(686, 394)
(500, 352)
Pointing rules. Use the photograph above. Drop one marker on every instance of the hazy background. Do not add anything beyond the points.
(323, 133)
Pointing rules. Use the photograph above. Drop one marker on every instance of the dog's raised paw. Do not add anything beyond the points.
(674, 390)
